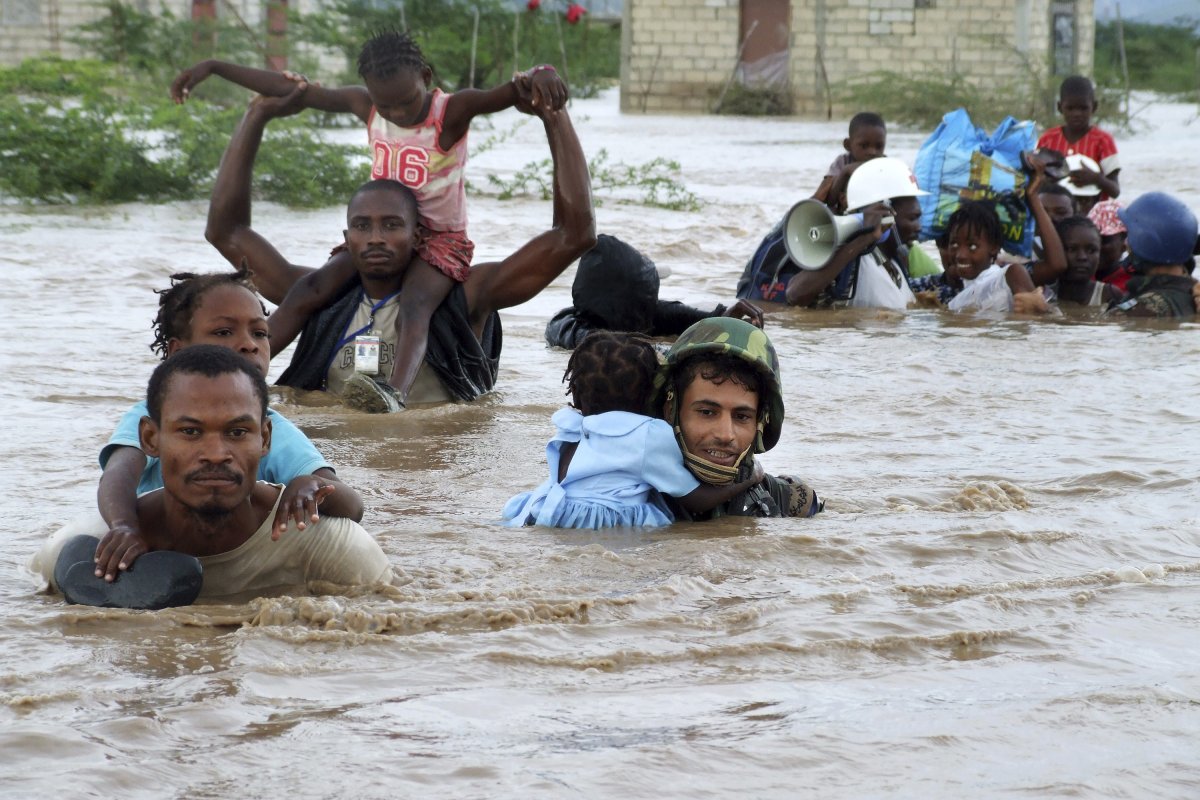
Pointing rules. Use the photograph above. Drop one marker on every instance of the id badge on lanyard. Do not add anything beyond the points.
(365, 343)
(366, 352)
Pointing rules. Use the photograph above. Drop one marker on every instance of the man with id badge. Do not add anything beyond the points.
(346, 340)
(363, 357)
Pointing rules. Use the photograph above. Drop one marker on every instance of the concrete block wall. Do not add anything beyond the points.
(678, 54)
(1085, 38)
(41, 27)
(31, 28)
(983, 41)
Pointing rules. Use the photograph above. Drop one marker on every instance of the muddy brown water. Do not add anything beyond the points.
(1000, 600)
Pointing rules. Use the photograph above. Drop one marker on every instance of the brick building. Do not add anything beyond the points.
(31, 28)
(679, 55)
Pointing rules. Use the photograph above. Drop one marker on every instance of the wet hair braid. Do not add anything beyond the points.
(611, 372)
(979, 216)
(177, 304)
(387, 52)
(866, 119)
(1068, 224)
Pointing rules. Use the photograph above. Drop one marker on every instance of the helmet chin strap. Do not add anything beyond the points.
(707, 471)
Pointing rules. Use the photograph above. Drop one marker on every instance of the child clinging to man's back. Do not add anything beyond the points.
(609, 460)
(866, 140)
(417, 137)
(1078, 136)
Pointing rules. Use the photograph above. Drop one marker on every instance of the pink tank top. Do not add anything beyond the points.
(412, 157)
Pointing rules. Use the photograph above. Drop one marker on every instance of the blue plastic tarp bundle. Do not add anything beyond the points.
(960, 161)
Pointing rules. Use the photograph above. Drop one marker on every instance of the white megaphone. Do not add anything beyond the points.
(811, 233)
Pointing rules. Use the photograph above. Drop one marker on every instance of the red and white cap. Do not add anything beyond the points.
(1104, 214)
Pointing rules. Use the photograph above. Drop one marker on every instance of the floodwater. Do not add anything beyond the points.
(1001, 599)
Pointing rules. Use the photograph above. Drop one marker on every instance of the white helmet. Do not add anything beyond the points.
(880, 179)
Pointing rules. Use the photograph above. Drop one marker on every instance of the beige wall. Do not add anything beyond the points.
(40, 27)
(678, 54)
(36, 27)
(673, 51)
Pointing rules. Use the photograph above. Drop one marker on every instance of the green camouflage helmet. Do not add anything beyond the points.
(716, 335)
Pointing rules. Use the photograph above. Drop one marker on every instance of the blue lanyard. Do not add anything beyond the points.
(347, 338)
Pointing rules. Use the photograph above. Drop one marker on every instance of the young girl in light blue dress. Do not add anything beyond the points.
(610, 462)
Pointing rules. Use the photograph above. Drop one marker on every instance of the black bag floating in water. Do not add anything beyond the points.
(159, 579)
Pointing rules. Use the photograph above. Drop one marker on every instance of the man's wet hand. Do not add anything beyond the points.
(185, 81)
(299, 503)
(744, 309)
(1085, 177)
(548, 90)
(284, 106)
(117, 551)
(1030, 302)
(877, 218)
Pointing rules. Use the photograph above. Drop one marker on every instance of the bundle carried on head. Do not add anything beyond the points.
(616, 284)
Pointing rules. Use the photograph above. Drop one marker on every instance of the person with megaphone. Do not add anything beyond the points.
(849, 261)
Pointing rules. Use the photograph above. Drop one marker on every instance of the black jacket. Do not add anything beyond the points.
(466, 366)
(671, 318)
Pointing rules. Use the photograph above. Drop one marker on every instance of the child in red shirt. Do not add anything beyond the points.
(1077, 135)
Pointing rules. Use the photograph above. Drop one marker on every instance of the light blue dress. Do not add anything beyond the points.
(621, 459)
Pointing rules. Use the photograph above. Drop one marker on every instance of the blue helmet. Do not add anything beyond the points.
(1162, 230)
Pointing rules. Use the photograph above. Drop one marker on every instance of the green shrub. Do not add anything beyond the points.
(657, 182)
(443, 30)
(297, 169)
(741, 100)
(151, 49)
(104, 130)
(1161, 58)
(58, 145)
(921, 102)
(59, 152)
(57, 77)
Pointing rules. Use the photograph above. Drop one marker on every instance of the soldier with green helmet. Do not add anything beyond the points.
(721, 392)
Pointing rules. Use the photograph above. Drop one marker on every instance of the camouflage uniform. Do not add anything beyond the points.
(783, 496)
(1162, 296)
(1161, 233)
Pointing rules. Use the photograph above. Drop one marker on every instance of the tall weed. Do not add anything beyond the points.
(921, 102)
(1160, 58)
